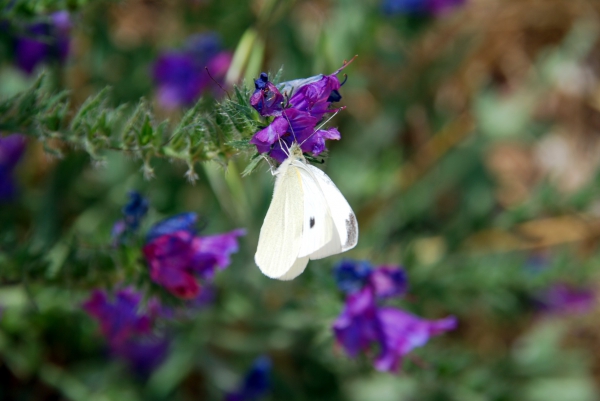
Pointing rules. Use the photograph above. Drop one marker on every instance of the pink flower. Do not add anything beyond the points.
(177, 257)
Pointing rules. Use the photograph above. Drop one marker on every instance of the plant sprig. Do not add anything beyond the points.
(210, 130)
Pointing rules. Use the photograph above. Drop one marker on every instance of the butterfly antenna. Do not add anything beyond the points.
(286, 149)
(215, 81)
(321, 126)
(291, 129)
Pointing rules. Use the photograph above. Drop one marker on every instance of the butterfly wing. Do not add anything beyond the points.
(317, 227)
(308, 218)
(344, 221)
(280, 237)
(297, 268)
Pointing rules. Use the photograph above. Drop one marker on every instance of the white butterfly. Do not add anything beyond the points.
(308, 218)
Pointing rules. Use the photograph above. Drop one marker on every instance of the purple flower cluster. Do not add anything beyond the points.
(127, 329)
(564, 298)
(181, 76)
(419, 7)
(297, 107)
(177, 256)
(43, 42)
(11, 149)
(256, 383)
(364, 323)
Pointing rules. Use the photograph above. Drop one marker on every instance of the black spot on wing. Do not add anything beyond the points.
(312, 222)
(351, 230)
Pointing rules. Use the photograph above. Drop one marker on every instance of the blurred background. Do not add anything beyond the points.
(470, 153)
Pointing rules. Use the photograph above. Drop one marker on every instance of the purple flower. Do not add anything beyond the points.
(388, 281)
(256, 383)
(266, 99)
(11, 149)
(310, 99)
(127, 329)
(419, 7)
(43, 42)
(358, 325)
(563, 298)
(402, 332)
(292, 126)
(206, 297)
(118, 231)
(181, 76)
(119, 319)
(143, 354)
(177, 256)
(316, 97)
(180, 79)
(364, 323)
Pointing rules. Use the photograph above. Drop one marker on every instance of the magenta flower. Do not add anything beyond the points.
(308, 101)
(11, 150)
(177, 257)
(364, 324)
(181, 75)
(43, 42)
(127, 329)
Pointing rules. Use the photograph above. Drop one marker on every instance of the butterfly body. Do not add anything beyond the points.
(308, 219)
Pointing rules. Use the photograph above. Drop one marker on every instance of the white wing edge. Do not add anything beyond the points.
(344, 218)
(296, 269)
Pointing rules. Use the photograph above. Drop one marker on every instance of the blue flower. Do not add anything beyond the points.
(133, 212)
(419, 7)
(11, 150)
(351, 275)
(180, 222)
(256, 383)
(385, 281)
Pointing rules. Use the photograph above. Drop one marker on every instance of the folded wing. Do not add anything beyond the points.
(281, 233)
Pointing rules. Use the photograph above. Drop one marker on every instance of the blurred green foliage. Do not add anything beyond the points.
(469, 150)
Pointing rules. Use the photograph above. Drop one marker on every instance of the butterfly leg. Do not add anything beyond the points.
(272, 168)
